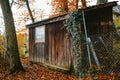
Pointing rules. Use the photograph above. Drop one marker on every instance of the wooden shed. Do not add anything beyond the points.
(48, 43)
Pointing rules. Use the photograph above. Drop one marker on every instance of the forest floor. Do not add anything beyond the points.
(34, 72)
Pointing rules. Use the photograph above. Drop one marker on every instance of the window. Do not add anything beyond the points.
(40, 34)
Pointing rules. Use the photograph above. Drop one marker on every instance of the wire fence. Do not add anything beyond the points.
(104, 56)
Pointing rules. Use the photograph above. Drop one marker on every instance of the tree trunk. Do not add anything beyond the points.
(12, 46)
(29, 10)
(76, 5)
(83, 3)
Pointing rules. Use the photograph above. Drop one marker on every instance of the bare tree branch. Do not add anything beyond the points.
(12, 3)
(29, 10)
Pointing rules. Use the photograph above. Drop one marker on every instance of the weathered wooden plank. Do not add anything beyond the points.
(50, 55)
(30, 45)
(53, 45)
(65, 47)
(43, 55)
(58, 55)
(46, 49)
(39, 52)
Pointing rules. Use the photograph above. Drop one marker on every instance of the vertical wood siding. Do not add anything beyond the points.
(57, 49)
(31, 44)
(60, 48)
(39, 52)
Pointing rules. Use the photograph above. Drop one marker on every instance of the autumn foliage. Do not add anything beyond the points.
(22, 40)
(36, 72)
(2, 44)
(64, 6)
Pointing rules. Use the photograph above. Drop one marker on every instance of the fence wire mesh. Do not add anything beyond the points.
(106, 53)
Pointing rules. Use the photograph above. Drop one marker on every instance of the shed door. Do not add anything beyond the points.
(39, 44)
(60, 48)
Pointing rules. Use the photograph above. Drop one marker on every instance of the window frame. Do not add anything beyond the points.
(38, 34)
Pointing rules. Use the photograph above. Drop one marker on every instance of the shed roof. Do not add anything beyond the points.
(63, 17)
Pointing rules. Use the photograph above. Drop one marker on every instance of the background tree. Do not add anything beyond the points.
(2, 41)
(22, 17)
(29, 10)
(59, 7)
(83, 3)
(21, 3)
(22, 41)
(12, 46)
(64, 6)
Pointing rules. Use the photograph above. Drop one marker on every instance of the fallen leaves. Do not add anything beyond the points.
(35, 72)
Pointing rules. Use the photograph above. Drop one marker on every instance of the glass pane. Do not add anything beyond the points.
(40, 34)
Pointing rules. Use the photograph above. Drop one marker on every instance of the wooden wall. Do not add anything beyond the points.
(60, 48)
(99, 21)
(37, 51)
(57, 49)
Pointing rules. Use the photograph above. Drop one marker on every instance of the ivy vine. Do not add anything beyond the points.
(74, 29)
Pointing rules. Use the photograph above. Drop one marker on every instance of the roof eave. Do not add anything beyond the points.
(63, 17)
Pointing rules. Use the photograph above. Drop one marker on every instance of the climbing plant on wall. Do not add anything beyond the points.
(73, 27)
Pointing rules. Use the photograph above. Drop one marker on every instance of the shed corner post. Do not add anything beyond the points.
(31, 32)
(46, 49)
